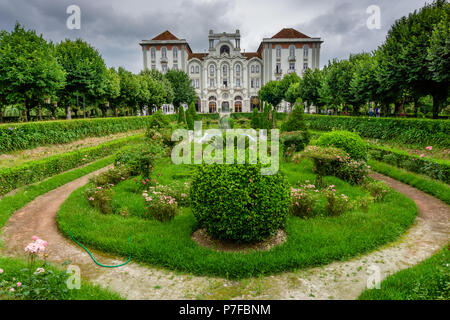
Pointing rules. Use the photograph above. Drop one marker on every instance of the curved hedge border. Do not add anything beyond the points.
(9, 204)
(310, 242)
(434, 168)
(438, 169)
(435, 188)
(28, 135)
(413, 131)
(34, 171)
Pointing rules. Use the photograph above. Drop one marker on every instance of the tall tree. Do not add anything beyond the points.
(29, 70)
(181, 85)
(405, 64)
(111, 92)
(272, 93)
(86, 72)
(439, 59)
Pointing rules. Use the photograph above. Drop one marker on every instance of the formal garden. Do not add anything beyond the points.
(105, 197)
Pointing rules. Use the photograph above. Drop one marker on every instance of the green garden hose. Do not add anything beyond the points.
(99, 264)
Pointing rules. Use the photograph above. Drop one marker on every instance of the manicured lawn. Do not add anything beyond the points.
(429, 280)
(312, 242)
(435, 188)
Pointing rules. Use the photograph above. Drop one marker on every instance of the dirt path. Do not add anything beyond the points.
(339, 280)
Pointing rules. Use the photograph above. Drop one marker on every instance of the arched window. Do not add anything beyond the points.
(164, 52)
(224, 49)
(291, 51)
(153, 53)
(175, 52)
(257, 68)
(225, 70)
(238, 70)
(238, 98)
(212, 70)
(278, 52)
(197, 69)
(252, 69)
(305, 50)
(192, 69)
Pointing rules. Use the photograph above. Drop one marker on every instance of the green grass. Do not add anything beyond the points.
(435, 188)
(9, 204)
(429, 280)
(310, 242)
(12, 268)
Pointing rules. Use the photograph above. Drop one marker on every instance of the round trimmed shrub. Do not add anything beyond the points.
(348, 141)
(237, 203)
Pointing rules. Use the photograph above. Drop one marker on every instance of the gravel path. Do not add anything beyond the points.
(339, 280)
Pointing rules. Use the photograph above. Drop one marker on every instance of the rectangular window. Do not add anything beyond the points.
(305, 66)
(153, 66)
(211, 83)
(252, 84)
(175, 66)
(238, 82)
(197, 83)
(278, 68)
(257, 83)
(164, 68)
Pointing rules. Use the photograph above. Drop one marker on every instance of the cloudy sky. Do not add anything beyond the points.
(115, 27)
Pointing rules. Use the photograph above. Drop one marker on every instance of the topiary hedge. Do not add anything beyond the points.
(21, 136)
(434, 168)
(412, 131)
(348, 141)
(237, 203)
(34, 171)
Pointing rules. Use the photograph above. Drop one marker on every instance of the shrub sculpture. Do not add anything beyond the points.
(294, 141)
(295, 121)
(158, 121)
(348, 141)
(331, 161)
(237, 203)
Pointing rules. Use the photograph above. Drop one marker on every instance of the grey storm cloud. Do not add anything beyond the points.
(115, 27)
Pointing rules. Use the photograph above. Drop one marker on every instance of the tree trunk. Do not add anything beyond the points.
(397, 109)
(68, 115)
(103, 112)
(438, 100)
(24, 113)
(416, 105)
(1, 113)
(116, 112)
(39, 112)
(28, 113)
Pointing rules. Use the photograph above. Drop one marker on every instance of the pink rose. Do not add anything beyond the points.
(422, 155)
(19, 284)
(34, 238)
(429, 148)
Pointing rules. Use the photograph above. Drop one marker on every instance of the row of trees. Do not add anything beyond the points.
(413, 62)
(37, 75)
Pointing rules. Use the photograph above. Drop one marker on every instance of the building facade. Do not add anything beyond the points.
(225, 78)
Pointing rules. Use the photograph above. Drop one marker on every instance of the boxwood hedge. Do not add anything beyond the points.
(412, 131)
(34, 171)
(237, 203)
(21, 136)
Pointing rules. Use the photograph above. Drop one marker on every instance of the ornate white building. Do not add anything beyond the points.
(226, 79)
